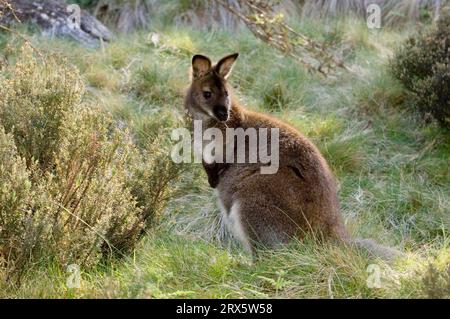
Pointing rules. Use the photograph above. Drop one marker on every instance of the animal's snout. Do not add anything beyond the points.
(221, 113)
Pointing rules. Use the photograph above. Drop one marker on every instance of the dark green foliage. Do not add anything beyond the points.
(432, 94)
(423, 66)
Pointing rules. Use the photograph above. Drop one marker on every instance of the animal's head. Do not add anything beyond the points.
(208, 96)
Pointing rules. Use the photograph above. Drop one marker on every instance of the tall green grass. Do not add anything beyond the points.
(392, 171)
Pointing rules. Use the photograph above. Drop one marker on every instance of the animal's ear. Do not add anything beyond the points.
(225, 65)
(200, 65)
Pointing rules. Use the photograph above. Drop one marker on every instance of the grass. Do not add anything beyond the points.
(168, 266)
(393, 173)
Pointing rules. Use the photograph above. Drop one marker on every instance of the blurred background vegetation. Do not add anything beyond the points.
(86, 176)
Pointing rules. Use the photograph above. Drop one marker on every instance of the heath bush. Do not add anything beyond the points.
(73, 186)
(15, 192)
(34, 104)
(423, 66)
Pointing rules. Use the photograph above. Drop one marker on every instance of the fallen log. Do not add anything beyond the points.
(56, 18)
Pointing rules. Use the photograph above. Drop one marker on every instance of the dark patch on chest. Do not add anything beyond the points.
(296, 172)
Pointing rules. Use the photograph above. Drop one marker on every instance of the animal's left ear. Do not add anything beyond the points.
(225, 65)
(200, 65)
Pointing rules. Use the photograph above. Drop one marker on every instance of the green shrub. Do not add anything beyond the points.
(15, 193)
(73, 186)
(152, 180)
(34, 104)
(423, 66)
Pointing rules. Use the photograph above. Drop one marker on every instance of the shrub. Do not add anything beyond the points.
(432, 94)
(69, 176)
(34, 104)
(15, 192)
(151, 183)
(423, 66)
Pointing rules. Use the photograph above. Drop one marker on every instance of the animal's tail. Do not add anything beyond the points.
(377, 250)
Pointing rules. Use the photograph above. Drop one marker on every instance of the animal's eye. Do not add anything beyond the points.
(206, 94)
(226, 93)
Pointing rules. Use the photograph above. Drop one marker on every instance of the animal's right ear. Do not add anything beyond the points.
(200, 65)
(225, 65)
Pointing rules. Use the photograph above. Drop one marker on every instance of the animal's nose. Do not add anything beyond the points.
(221, 113)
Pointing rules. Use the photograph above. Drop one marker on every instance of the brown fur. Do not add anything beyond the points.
(300, 198)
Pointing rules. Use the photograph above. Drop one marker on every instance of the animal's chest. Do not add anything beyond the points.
(232, 219)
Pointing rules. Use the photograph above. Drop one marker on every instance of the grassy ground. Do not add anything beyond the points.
(393, 172)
